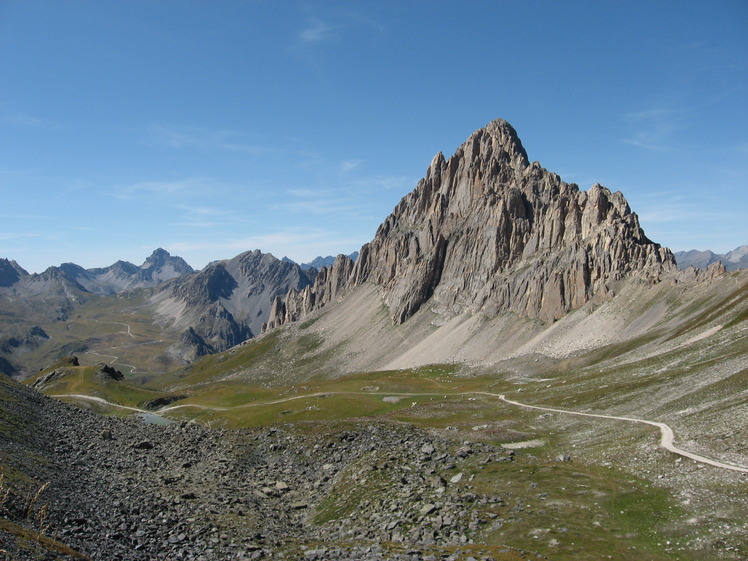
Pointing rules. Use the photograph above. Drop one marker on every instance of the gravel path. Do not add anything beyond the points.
(666, 439)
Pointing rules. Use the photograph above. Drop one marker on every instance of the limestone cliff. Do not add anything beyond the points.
(329, 285)
(488, 231)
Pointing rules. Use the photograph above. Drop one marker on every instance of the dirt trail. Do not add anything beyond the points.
(103, 401)
(666, 433)
(666, 439)
(116, 358)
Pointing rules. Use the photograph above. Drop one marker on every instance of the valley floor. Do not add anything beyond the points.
(427, 477)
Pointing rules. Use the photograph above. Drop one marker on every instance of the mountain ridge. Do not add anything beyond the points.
(226, 303)
(319, 261)
(732, 260)
(160, 266)
(489, 231)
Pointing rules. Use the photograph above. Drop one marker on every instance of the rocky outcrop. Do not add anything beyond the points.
(329, 286)
(490, 232)
(108, 373)
(61, 369)
(189, 347)
(695, 274)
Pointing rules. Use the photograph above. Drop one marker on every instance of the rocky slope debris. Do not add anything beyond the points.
(488, 231)
(120, 489)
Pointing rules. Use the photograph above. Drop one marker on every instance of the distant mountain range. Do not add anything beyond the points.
(197, 312)
(122, 275)
(732, 260)
(319, 262)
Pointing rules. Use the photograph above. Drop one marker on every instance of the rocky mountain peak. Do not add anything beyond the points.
(162, 266)
(487, 231)
(227, 302)
(10, 272)
(158, 258)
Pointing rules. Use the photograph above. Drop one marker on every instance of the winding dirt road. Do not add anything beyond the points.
(102, 401)
(666, 433)
(129, 333)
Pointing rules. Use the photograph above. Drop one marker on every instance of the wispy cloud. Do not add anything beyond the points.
(155, 187)
(349, 165)
(352, 196)
(331, 28)
(20, 238)
(168, 189)
(205, 217)
(27, 217)
(386, 182)
(206, 211)
(203, 139)
(652, 129)
(317, 202)
(316, 31)
(684, 226)
(318, 207)
(26, 120)
(12, 236)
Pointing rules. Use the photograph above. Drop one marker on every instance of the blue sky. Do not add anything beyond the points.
(212, 128)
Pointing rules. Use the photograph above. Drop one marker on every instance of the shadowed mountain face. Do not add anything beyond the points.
(226, 303)
(10, 272)
(488, 231)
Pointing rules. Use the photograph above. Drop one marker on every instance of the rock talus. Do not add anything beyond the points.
(488, 231)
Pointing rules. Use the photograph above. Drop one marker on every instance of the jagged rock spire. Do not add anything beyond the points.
(487, 230)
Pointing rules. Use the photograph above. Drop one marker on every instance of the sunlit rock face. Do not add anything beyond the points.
(488, 231)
